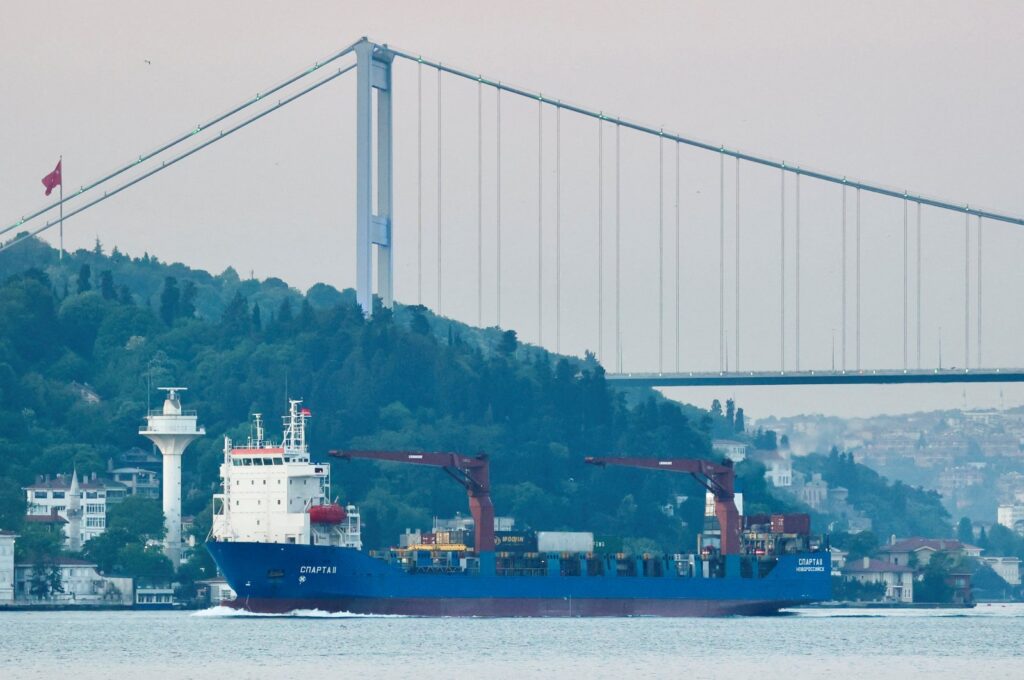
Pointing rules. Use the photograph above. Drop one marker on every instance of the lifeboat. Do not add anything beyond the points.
(332, 513)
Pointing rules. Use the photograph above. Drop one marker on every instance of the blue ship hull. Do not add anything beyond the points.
(275, 578)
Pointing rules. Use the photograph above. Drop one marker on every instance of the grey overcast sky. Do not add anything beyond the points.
(922, 96)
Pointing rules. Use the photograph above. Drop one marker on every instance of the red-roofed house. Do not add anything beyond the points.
(898, 578)
(919, 551)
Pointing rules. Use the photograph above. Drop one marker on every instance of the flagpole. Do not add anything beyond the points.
(61, 163)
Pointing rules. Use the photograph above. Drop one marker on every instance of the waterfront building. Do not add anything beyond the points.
(80, 581)
(7, 539)
(214, 591)
(898, 578)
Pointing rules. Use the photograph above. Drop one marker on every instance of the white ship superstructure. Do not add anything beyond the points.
(275, 494)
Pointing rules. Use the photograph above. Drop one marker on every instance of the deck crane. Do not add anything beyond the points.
(472, 472)
(717, 478)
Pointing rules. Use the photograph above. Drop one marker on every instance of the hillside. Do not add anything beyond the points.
(406, 379)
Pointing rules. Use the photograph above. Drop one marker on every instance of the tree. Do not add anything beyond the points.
(509, 342)
(730, 413)
(235, 318)
(107, 285)
(862, 544)
(148, 564)
(285, 315)
(140, 518)
(257, 322)
(716, 408)
(784, 441)
(965, 530)
(37, 542)
(933, 586)
(84, 276)
(188, 300)
(765, 440)
(169, 300)
(741, 424)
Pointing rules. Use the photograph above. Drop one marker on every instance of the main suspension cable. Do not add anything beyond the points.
(166, 164)
(260, 96)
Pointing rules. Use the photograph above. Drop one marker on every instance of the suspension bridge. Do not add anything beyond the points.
(631, 236)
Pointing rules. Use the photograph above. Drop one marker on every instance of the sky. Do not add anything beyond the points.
(925, 98)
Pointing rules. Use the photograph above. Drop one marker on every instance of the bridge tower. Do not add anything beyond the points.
(373, 76)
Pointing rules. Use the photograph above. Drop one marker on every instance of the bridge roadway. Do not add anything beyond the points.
(862, 377)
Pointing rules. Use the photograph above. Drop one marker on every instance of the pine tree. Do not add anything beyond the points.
(284, 312)
(741, 424)
(84, 276)
(188, 300)
(257, 322)
(107, 285)
(716, 408)
(730, 413)
(169, 300)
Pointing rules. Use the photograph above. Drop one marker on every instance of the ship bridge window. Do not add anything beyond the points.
(257, 461)
(236, 462)
(268, 461)
(278, 461)
(247, 461)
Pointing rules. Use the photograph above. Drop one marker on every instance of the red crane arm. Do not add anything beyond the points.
(472, 472)
(719, 479)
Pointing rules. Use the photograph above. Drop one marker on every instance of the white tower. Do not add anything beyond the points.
(74, 513)
(172, 430)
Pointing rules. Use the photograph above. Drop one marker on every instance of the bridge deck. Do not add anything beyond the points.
(863, 377)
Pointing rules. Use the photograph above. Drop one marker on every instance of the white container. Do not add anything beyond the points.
(565, 541)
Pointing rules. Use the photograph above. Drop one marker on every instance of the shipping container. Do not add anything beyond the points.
(565, 541)
(791, 523)
(609, 545)
(515, 541)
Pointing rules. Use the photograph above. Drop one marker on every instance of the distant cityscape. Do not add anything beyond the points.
(973, 458)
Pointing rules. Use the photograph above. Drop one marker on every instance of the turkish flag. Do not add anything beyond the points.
(53, 179)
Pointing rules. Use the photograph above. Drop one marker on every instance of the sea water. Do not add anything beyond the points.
(824, 644)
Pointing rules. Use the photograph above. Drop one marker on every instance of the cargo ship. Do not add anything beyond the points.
(284, 545)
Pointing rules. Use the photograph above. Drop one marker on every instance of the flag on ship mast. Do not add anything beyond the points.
(54, 180)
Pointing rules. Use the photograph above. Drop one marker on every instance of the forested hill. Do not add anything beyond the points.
(110, 326)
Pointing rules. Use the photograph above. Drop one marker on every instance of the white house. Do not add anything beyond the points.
(7, 539)
(83, 504)
(778, 468)
(138, 481)
(898, 578)
(731, 449)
